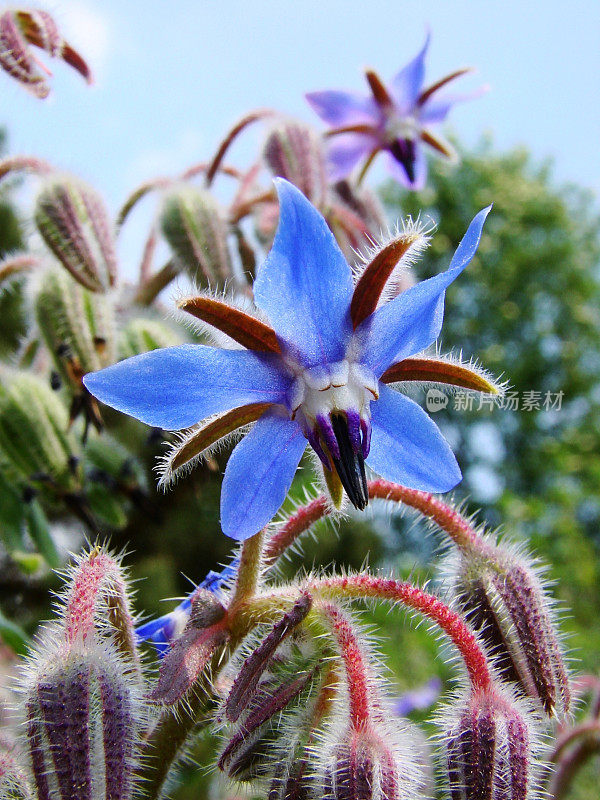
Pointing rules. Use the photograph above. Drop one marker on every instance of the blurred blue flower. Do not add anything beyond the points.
(319, 374)
(396, 119)
(163, 630)
(419, 699)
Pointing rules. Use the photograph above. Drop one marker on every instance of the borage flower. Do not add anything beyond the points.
(396, 119)
(320, 373)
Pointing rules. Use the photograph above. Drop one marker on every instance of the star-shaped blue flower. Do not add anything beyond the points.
(396, 119)
(318, 372)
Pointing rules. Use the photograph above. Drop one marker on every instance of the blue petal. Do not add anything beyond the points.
(407, 84)
(258, 475)
(305, 283)
(407, 447)
(412, 321)
(345, 151)
(176, 387)
(339, 109)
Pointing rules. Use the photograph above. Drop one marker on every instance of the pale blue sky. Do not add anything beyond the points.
(172, 76)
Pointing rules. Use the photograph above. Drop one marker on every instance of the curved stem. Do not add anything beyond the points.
(352, 657)
(365, 586)
(214, 165)
(568, 767)
(149, 291)
(462, 533)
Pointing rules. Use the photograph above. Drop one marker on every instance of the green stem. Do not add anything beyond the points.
(248, 576)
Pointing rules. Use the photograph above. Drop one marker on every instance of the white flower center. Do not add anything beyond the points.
(340, 387)
(396, 127)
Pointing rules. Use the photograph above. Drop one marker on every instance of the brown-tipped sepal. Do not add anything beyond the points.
(380, 265)
(443, 371)
(243, 328)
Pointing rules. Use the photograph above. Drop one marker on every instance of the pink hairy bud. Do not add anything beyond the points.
(20, 28)
(98, 595)
(489, 750)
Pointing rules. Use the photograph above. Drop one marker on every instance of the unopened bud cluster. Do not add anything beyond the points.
(80, 697)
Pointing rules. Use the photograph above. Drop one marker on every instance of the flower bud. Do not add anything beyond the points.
(81, 723)
(503, 598)
(34, 439)
(371, 763)
(80, 695)
(74, 224)
(141, 335)
(294, 151)
(193, 225)
(18, 29)
(489, 750)
(77, 326)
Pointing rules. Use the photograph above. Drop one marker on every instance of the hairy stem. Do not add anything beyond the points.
(462, 533)
(365, 586)
(248, 576)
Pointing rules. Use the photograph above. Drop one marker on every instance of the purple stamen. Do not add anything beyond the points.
(315, 443)
(329, 438)
(365, 427)
(354, 426)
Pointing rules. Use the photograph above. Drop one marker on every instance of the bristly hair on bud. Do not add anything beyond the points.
(82, 713)
(489, 741)
(294, 150)
(193, 224)
(81, 690)
(502, 594)
(14, 784)
(73, 222)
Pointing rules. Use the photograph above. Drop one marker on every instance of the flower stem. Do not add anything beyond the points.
(447, 518)
(251, 562)
(354, 664)
(147, 292)
(364, 586)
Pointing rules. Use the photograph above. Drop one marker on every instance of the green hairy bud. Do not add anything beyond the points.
(193, 225)
(74, 224)
(34, 440)
(141, 335)
(77, 326)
